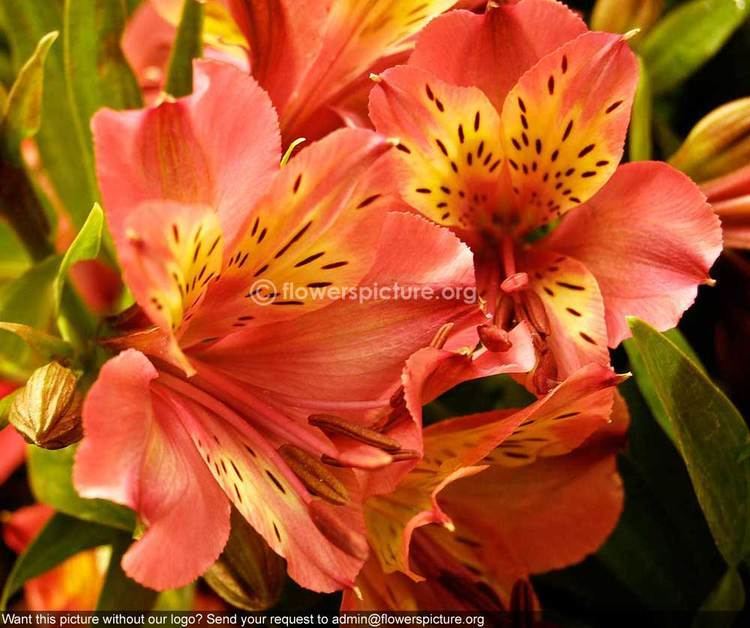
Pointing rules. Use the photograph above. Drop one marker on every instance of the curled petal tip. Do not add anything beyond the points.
(375, 77)
(358, 592)
(448, 525)
(710, 281)
(630, 34)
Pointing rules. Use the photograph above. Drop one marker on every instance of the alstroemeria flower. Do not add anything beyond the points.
(234, 391)
(508, 493)
(313, 57)
(513, 121)
(74, 585)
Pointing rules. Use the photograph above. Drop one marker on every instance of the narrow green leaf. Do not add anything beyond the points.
(710, 434)
(60, 144)
(729, 594)
(60, 539)
(120, 593)
(96, 70)
(28, 301)
(85, 246)
(14, 260)
(50, 473)
(646, 385)
(188, 45)
(23, 111)
(46, 346)
(688, 37)
(639, 134)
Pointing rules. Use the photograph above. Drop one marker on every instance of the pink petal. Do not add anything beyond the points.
(136, 453)
(316, 229)
(12, 452)
(218, 147)
(492, 50)
(564, 125)
(649, 238)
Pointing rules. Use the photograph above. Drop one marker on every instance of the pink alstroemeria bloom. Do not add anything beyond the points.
(313, 57)
(513, 121)
(235, 392)
(508, 493)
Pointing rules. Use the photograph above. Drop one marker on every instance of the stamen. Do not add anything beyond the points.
(514, 283)
(405, 454)
(369, 459)
(494, 338)
(288, 154)
(314, 475)
(336, 531)
(441, 337)
(337, 425)
(535, 312)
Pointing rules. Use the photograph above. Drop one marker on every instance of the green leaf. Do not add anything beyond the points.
(688, 37)
(709, 433)
(729, 594)
(44, 345)
(28, 301)
(50, 473)
(97, 72)
(60, 144)
(13, 258)
(188, 45)
(23, 111)
(85, 246)
(645, 383)
(639, 134)
(120, 593)
(176, 599)
(60, 539)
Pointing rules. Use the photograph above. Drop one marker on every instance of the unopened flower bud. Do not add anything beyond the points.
(248, 574)
(718, 144)
(623, 16)
(47, 410)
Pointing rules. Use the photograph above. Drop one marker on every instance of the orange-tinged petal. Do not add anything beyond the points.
(170, 255)
(217, 147)
(316, 231)
(493, 49)
(269, 495)
(564, 125)
(649, 238)
(574, 307)
(136, 453)
(455, 448)
(448, 163)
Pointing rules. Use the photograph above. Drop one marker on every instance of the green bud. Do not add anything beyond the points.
(622, 16)
(718, 144)
(47, 410)
(248, 574)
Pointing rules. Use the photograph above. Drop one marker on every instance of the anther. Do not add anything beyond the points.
(314, 475)
(514, 283)
(337, 425)
(336, 531)
(535, 312)
(494, 338)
